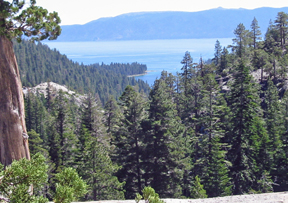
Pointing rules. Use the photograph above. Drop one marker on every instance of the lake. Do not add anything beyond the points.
(158, 55)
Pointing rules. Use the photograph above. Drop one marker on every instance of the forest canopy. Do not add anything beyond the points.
(38, 64)
(214, 129)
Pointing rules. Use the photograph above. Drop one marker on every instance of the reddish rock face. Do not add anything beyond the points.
(13, 143)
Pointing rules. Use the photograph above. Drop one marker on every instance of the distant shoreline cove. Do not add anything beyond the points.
(146, 72)
(157, 55)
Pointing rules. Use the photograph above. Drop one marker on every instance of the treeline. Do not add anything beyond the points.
(38, 64)
(211, 130)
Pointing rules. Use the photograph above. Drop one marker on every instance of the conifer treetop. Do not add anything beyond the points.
(23, 17)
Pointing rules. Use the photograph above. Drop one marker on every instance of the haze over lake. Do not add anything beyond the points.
(158, 55)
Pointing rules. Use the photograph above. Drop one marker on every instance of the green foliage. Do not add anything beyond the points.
(99, 171)
(209, 131)
(17, 179)
(138, 197)
(69, 186)
(281, 161)
(265, 183)
(224, 62)
(113, 116)
(128, 141)
(35, 115)
(241, 41)
(35, 143)
(149, 195)
(38, 63)
(247, 133)
(272, 117)
(198, 190)
(281, 23)
(165, 149)
(62, 138)
(94, 160)
(32, 21)
(255, 32)
(217, 54)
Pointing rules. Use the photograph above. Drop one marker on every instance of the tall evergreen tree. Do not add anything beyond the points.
(247, 129)
(211, 165)
(217, 53)
(113, 115)
(274, 48)
(36, 115)
(255, 32)
(241, 41)
(186, 70)
(94, 162)
(261, 61)
(224, 61)
(165, 149)
(36, 143)
(62, 138)
(198, 192)
(281, 163)
(282, 27)
(272, 118)
(129, 141)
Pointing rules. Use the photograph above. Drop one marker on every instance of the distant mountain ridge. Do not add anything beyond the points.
(214, 23)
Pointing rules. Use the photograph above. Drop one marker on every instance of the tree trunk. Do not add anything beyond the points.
(13, 134)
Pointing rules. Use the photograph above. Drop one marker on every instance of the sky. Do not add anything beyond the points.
(83, 11)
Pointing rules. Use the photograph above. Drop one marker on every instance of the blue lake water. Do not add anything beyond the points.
(158, 55)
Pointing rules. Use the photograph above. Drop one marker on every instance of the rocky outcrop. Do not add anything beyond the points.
(279, 197)
(54, 89)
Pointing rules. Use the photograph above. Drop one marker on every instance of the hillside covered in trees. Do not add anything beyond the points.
(38, 63)
(211, 130)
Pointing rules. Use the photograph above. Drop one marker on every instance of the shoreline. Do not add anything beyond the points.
(145, 73)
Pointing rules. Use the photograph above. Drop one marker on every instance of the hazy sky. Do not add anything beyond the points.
(83, 11)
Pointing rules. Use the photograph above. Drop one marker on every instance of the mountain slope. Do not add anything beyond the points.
(214, 23)
(38, 63)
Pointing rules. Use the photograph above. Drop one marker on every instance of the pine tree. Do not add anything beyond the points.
(223, 62)
(211, 165)
(62, 138)
(112, 114)
(281, 24)
(36, 143)
(98, 170)
(255, 32)
(241, 41)
(36, 115)
(246, 131)
(187, 70)
(128, 141)
(197, 189)
(273, 47)
(165, 149)
(217, 53)
(94, 162)
(281, 164)
(273, 119)
(261, 61)
(192, 105)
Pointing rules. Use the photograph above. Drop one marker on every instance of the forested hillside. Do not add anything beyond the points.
(38, 63)
(211, 130)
